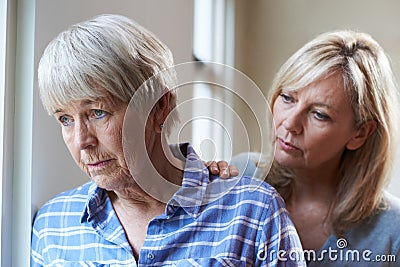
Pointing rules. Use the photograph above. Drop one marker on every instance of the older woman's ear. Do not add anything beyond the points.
(362, 134)
(160, 112)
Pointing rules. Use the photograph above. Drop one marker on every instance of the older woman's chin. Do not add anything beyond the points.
(114, 182)
(109, 178)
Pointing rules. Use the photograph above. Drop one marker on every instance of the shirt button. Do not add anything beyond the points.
(150, 256)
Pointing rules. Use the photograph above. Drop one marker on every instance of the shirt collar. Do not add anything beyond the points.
(196, 178)
(96, 199)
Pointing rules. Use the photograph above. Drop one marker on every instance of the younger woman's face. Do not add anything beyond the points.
(314, 125)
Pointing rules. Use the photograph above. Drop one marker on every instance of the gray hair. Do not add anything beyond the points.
(109, 51)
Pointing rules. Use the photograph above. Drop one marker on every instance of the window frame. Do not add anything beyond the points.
(17, 28)
(213, 41)
(5, 168)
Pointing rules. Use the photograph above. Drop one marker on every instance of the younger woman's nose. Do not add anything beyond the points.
(293, 123)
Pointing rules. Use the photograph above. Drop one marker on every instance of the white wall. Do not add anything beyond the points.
(268, 32)
(53, 169)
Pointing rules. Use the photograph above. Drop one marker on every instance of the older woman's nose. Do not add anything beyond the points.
(84, 137)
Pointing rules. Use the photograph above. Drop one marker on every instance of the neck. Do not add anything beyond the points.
(156, 170)
(165, 163)
(315, 185)
(132, 201)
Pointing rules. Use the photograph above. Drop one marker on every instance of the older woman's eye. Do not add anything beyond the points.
(98, 113)
(65, 120)
(286, 98)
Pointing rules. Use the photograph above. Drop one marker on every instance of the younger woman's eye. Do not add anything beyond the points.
(65, 120)
(98, 113)
(320, 116)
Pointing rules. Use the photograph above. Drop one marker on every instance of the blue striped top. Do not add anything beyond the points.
(239, 222)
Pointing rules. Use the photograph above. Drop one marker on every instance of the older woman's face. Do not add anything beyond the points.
(92, 131)
(314, 125)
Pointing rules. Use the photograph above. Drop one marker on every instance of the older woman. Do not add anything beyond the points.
(87, 77)
(335, 106)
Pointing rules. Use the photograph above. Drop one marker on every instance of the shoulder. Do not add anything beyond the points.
(379, 231)
(382, 220)
(247, 197)
(393, 202)
(251, 164)
(256, 187)
(261, 203)
(245, 157)
(247, 191)
(391, 213)
(373, 239)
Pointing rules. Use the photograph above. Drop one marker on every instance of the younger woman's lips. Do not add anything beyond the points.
(286, 146)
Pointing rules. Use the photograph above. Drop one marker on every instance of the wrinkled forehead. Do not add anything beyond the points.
(63, 99)
(106, 103)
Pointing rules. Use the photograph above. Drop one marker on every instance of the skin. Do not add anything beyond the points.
(92, 132)
(222, 169)
(314, 125)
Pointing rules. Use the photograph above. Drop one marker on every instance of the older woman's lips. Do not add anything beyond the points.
(98, 164)
(287, 146)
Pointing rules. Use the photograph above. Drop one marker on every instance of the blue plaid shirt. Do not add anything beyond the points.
(239, 222)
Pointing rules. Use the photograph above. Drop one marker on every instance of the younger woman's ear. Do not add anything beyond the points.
(361, 135)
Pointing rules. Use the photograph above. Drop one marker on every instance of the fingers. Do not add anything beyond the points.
(212, 167)
(223, 169)
(233, 170)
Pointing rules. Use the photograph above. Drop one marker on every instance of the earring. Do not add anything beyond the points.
(161, 126)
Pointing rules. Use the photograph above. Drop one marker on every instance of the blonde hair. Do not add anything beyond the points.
(109, 51)
(370, 84)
